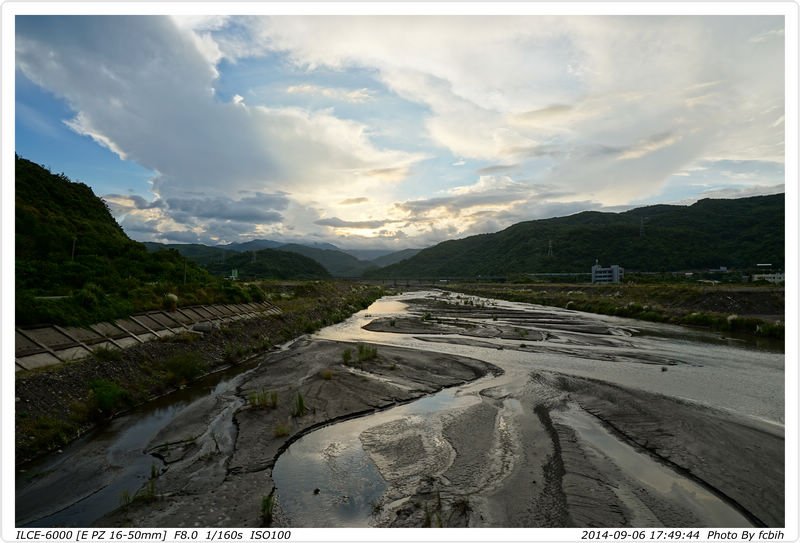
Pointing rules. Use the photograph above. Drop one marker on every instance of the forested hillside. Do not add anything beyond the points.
(269, 264)
(75, 264)
(710, 233)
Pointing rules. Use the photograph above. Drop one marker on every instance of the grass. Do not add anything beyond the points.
(125, 498)
(326, 374)
(267, 505)
(107, 354)
(347, 356)
(234, 353)
(300, 408)
(185, 337)
(366, 353)
(263, 399)
(281, 430)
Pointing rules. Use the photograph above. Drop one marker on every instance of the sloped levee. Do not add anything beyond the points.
(49, 345)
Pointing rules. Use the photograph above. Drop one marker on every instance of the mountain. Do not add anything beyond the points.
(339, 264)
(736, 233)
(394, 258)
(368, 255)
(253, 245)
(68, 246)
(258, 244)
(196, 252)
(269, 264)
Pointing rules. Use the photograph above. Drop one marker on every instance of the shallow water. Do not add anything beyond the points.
(92, 475)
(646, 473)
(333, 462)
(746, 381)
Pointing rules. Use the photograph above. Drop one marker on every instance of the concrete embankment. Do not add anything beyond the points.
(43, 346)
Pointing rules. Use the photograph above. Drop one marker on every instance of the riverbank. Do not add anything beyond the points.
(58, 404)
(221, 475)
(756, 311)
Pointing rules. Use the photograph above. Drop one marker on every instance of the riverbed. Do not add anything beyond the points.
(473, 412)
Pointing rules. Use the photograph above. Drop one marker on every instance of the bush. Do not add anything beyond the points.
(365, 352)
(106, 397)
(90, 296)
(183, 367)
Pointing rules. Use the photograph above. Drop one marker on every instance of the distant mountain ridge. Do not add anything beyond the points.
(269, 264)
(337, 262)
(708, 234)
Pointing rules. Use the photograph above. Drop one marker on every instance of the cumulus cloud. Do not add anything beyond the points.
(569, 84)
(567, 113)
(143, 88)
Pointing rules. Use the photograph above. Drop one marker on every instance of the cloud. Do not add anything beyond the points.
(498, 168)
(496, 193)
(567, 84)
(336, 222)
(353, 201)
(261, 208)
(180, 236)
(355, 96)
(775, 34)
(143, 88)
(649, 145)
(565, 111)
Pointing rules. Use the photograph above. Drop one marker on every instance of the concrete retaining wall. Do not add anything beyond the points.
(48, 345)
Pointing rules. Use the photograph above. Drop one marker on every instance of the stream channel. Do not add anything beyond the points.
(365, 471)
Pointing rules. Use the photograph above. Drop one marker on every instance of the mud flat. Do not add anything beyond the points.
(218, 454)
(430, 410)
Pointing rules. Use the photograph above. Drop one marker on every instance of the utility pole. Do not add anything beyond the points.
(184, 272)
(74, 239)
(641, 227)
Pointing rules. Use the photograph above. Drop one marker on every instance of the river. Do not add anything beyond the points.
(367, 471)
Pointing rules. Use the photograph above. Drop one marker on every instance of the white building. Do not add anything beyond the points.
(612, 274)
(770, 277)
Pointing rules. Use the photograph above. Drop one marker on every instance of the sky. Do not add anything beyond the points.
(397, 131)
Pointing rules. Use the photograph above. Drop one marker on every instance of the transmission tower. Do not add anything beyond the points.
(550, 248)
